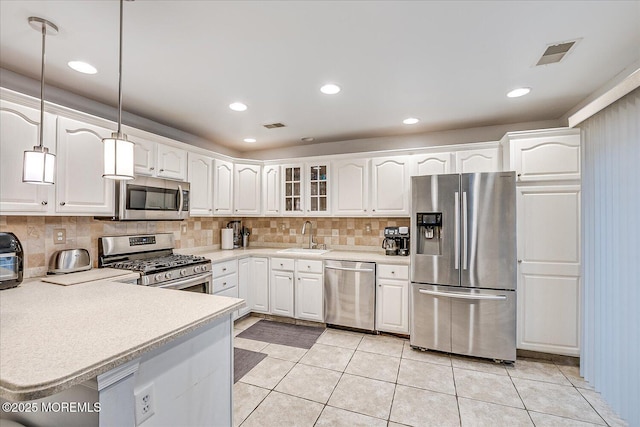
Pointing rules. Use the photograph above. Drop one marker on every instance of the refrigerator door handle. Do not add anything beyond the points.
(465, 235)
(456, 248)
(483, 297)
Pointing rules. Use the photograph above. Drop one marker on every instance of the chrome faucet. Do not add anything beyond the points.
(304, 227)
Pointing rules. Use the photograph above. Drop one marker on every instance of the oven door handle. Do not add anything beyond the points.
(181, 199)
(181, 284)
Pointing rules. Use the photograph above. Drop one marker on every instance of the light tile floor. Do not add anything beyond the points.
(352, 379)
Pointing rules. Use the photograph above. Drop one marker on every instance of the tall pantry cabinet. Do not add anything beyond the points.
(547, 165)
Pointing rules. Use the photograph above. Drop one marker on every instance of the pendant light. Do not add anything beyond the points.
(38, 165)
(118, 150)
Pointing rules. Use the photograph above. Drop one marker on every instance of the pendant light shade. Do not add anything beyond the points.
(118, 150)
(38, 165)
(118, 157)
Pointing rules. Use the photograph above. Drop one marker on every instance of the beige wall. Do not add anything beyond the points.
(36, 233)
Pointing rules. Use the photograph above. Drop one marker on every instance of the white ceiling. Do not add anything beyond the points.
(449, 63)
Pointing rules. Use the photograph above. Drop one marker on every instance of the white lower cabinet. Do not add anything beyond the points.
(281, 293)
(244, 285)
(392, 298)
(549, 286)
(309, 291)
(259, 285)
(225, 280)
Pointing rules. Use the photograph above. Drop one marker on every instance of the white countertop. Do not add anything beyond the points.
(53, 337)
(217, 255)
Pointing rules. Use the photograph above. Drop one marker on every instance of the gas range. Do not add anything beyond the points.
(152, 256)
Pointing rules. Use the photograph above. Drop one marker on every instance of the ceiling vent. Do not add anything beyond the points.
(555, 52)
(274, 125)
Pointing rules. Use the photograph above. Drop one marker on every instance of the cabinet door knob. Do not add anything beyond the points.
(210, 210)
(161, 170)
(373, 210)
(393, 272)
(519, 261)
(298, 278)
(224, 269)
(224, 283)
(290, 278)
(62, 203)
(152, 168)
(44, 203)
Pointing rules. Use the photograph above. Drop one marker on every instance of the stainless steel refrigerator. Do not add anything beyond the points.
(463, 264)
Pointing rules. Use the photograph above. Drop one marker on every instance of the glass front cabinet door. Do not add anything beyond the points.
(318, 190)
(292, 191)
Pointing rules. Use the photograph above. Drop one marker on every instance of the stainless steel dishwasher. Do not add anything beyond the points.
(350, 294)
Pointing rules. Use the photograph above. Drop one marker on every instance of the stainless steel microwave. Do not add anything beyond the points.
(146, 198)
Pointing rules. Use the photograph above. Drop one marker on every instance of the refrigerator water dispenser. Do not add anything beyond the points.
(429, 237)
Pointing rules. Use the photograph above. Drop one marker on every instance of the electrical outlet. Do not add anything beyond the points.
(184, 228)
(145, 403)
(59, 236)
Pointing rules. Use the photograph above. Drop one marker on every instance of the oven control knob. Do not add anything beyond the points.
(168, 275)
(158, 277)
(183, 272)
(196, 269)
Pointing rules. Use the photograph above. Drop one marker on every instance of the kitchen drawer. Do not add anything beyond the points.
(308, 266)
(388, 271)
(225, 282)
(232, 292)
(224, 268)
(286, 264)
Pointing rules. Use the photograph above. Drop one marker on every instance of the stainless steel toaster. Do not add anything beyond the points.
(69, 261)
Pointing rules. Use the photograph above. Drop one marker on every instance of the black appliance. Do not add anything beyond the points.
(11, 261)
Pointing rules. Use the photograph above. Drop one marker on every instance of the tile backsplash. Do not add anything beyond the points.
(36, 233)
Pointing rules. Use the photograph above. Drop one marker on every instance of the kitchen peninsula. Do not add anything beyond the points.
(108, 343)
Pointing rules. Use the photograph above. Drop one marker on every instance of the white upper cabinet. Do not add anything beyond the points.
(350, 187)
(144, 153)
(271, 190)
(433, 164)
(172, 162)
(390, 185)
(247, 194)
(543, 156)
(222, 187)
(292, 189)
(80, 187)
(200, 174)
(480, 160)
(159, 160)
(19, 131)
(318, 194)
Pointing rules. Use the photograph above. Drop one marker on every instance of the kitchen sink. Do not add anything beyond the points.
(303, 251)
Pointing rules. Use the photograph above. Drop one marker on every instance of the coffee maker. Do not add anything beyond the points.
(391, 240)
(403, 241)
(237, 233)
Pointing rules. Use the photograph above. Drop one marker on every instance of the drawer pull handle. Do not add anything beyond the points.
(161, 170)
(224, 269)
(151, 168)
(224, 283)
(393, 272)
(45, 203)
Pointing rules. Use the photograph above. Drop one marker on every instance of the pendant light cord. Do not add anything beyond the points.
(44, 37)
(120, 73)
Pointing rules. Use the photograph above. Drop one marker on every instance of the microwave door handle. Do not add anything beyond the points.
(181, 199)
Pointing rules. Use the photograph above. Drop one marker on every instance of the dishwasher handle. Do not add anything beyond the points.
(464, 296)
(360, 270)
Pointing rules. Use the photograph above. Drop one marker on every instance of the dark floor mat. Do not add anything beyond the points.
(283, 333)
(244, 361)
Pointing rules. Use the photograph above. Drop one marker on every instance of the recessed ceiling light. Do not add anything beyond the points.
(82, 67)
(238, 106)
(521, 91)
(330, 89)
(410, 121)
(249, 140)
(307, 139)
